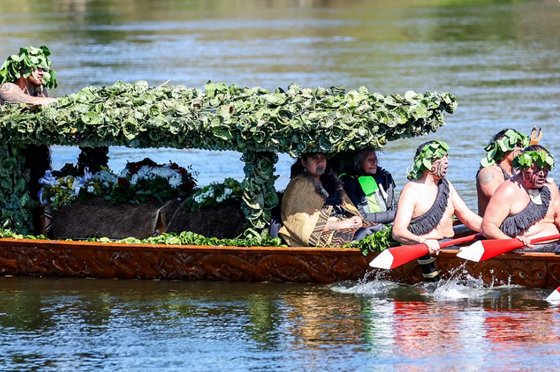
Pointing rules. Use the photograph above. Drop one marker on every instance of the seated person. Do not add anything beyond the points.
(316, 211)
(427, 204)
(371, 188)
(429, 201)
(526, 206)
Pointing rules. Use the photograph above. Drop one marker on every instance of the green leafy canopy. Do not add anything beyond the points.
(25, 62)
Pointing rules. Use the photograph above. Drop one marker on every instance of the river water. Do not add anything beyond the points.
(500, 58)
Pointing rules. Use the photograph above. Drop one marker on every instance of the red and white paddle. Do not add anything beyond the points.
(554, 296)
(397, 256)
(485, 249)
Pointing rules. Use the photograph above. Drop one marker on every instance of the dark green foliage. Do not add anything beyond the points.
(377, 242)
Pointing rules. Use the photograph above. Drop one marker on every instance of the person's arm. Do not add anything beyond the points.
(497, 211)
(488, 182)
(472, 220)
(11, 93)
(391, 201)
(400, 231)
(348, 223)
(384, 217)
(555, 195)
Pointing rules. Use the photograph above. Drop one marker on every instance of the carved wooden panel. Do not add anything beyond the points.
(179, 262)
(320, 265)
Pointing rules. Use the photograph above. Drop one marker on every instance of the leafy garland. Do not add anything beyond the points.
(25, 62)
(423, 161)
(246, 120)
(496, 150)
(148, 182)
(66, 190)
(140, 182)
(184, 238)
(259, 195)
(542, 159)
(15, 202)
(215, 193)
(377, 242)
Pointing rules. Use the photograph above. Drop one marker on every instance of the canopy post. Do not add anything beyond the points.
(16, 203)
(259, 194)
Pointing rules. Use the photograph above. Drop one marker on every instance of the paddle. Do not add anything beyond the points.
(397, 256)
(485, 249)
(554, 296)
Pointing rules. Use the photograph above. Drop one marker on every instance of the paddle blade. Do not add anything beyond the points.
(395, 257)
(485, 249)
(554, 296)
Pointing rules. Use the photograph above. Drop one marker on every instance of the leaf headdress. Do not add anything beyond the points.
(431, 151)
(542, 158)
(25, 62)
(497, 148)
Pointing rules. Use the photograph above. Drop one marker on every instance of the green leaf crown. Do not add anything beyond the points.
(423, 161)
(541, 158)
(496, 149)
(25, 62)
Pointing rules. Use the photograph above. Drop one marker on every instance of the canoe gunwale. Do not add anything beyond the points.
(51, 258)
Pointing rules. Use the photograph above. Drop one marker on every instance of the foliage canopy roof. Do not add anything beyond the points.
(224, 117)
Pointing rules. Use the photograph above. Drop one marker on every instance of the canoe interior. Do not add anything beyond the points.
(48, 258)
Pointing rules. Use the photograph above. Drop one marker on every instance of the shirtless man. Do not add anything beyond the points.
(497, 166)
(24, 77)
(526, 206)
(428, 202)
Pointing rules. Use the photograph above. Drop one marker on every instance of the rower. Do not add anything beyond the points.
(427, 204)
(497, 166)
(527, 206)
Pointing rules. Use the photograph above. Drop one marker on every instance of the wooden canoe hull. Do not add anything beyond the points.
(47, 258)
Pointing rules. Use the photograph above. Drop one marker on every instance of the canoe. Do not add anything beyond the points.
(50, 258)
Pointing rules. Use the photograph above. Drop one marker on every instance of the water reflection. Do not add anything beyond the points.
(405, 327)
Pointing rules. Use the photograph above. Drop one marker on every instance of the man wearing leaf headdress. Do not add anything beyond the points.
(26, 76)
(497, 166)
(527, 206)
(428, 201)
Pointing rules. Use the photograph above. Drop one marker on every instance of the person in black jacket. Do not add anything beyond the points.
(371, 188)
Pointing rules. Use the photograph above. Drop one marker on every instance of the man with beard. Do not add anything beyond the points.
(24, 77)
(428, 202)
(497, 166)
(527, 206)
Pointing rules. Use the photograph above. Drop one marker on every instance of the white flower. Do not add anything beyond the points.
(227, 191)
(90, 189)
(175, 180)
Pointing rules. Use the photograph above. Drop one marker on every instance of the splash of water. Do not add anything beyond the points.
(377, 285)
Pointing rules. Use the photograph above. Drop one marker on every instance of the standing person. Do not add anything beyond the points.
(526, 206)
(497, 166)
(316, 211)
(428, 202)
(371, 188)
(26, 76)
